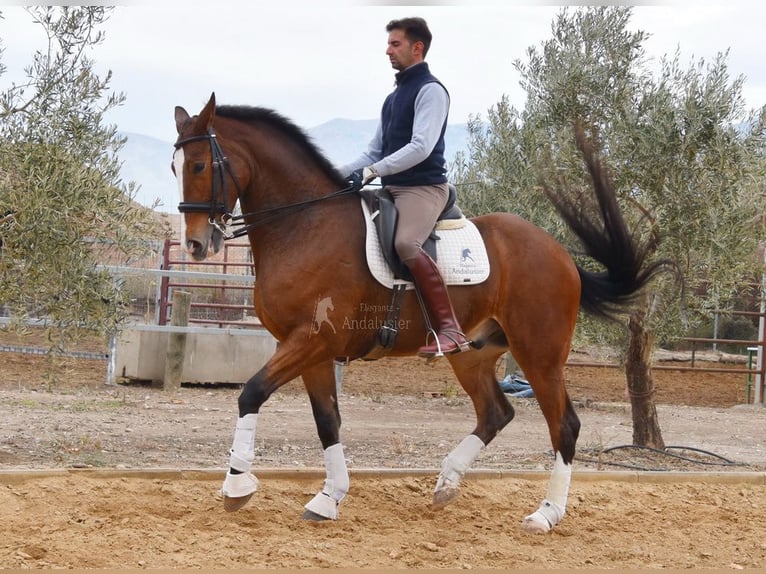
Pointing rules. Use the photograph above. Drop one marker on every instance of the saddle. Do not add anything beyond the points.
(385, 215)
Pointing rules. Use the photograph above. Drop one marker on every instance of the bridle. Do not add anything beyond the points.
(217, 204)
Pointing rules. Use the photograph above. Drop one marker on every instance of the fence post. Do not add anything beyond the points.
(164, 285)
(111, 366)
(759, 398)
(338, 370)
(176, 350)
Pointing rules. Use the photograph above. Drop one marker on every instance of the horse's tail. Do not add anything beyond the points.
(608, 240)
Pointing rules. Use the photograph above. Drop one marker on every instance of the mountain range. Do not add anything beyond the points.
(146, 160)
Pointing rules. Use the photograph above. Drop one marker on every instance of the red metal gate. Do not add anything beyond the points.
(221, 286)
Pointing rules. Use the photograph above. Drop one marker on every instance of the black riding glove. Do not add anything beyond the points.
(354, 180)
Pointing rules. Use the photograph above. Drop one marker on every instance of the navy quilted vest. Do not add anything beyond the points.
(397, 118)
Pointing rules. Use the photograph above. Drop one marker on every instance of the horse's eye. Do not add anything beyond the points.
(199, 167)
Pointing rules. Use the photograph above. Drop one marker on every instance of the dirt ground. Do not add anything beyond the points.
(625, 510)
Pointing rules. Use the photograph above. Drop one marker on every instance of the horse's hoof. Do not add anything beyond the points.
(313, 516)
(233, 504)
(443, 497)
(529, 524)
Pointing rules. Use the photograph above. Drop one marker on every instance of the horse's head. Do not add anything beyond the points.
(204, 181)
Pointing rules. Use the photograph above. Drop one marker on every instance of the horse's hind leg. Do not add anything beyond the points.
(564, 428)
(476, 373)
(320, 385)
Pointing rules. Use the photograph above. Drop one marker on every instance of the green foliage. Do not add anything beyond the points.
(687, 159)
(63, 208)
(727, 327)
(587, 71)
(499, 175)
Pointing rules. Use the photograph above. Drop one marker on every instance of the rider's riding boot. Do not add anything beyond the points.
(428, 279)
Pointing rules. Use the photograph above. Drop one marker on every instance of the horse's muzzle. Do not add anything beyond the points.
(199, 248)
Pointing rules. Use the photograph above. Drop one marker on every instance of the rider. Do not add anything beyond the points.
(407, 153)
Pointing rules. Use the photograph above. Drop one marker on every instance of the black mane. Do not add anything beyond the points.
(286, 126)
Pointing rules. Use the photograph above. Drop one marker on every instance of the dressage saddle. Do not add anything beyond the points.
(385, 215)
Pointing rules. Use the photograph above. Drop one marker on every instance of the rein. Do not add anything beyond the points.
(217, 204)
(274, 213)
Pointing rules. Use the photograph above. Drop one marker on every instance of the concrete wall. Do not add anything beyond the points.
(212, 355)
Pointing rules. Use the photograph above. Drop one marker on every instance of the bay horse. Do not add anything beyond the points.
(307, 234)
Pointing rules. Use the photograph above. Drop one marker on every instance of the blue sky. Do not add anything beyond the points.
(316, 61)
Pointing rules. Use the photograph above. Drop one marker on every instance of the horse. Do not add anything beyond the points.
(306, 229)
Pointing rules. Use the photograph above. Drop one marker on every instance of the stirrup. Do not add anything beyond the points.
(461, 341)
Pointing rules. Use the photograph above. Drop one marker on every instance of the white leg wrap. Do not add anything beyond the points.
(241, 458)
(336, 485)
(554, 506)
(242, 450)
(239, 485)
(561, 477)
(456, 463)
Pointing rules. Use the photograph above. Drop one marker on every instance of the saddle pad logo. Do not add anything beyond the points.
(460, 253)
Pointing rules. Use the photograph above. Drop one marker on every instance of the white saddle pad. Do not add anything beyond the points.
(460, 253)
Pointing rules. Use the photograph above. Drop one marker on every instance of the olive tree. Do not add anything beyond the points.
(685, 156)
(63, 207)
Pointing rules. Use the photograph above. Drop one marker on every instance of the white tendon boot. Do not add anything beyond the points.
(326, 502)
(454, 466)
(553, 508)
(238, 488)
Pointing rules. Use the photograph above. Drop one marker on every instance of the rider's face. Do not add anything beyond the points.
(401, 52)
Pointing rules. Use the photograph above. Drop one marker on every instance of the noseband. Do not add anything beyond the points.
(217, 204)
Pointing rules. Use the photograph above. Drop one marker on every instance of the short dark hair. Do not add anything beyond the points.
(415, 29)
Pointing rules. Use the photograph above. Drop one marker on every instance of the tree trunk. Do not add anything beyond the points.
(638, 370)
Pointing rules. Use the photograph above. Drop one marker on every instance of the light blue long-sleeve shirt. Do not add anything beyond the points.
(431, 110)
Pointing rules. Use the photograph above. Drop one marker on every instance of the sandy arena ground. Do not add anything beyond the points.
(101, 503)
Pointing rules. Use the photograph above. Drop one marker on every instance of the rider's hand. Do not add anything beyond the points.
(354, 179)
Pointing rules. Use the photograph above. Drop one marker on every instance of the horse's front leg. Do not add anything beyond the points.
(321, 388)
(476, 373)
(285, 365)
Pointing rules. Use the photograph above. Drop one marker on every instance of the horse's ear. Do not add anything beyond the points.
(182, 116)
(207, 115)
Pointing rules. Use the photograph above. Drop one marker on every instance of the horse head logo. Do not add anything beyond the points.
(321, 315)
(466, 255)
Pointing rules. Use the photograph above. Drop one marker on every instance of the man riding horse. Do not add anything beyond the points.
(407, 153)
